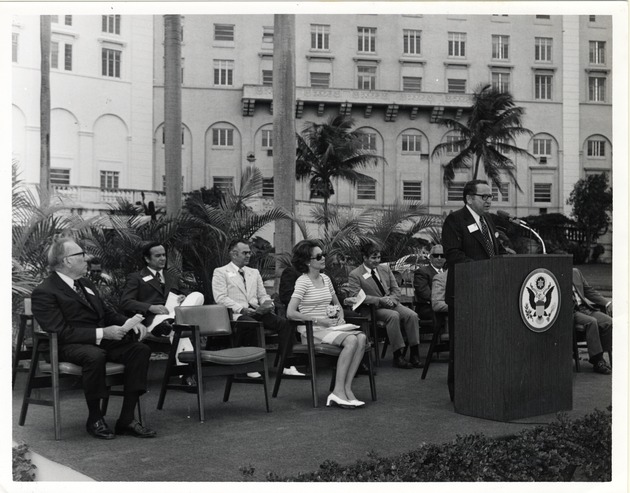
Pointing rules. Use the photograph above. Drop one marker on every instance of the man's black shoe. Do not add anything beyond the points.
(99, 429)
(191, 382)
(400, 362)
(415, 362)
(134, 429)
(163, 329)
(601, 367)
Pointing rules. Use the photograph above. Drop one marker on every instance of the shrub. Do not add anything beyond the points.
(564, 450)
(23, 468)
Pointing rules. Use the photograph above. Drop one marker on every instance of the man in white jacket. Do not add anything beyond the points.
(241, 289)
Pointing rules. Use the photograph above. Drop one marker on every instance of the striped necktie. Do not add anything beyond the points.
(242, 273)
(486, 236)
(79, 290)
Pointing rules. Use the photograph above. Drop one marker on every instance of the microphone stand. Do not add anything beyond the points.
(523, 225)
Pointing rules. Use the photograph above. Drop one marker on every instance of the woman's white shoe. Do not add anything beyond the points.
(339, 401)
(357, 403)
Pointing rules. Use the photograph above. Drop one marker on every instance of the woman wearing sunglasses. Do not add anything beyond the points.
(314, 299)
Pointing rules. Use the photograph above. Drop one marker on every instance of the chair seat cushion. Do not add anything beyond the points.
(66, 368)
(230, 356)
(327, 349)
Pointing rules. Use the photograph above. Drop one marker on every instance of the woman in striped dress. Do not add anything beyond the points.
(314, 299)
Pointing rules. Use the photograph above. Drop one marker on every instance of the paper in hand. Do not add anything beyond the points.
(360, 298)
(133, 321)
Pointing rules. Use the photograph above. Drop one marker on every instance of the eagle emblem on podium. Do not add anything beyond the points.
(539, 300)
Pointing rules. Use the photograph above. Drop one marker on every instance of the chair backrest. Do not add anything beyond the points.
(213, 320)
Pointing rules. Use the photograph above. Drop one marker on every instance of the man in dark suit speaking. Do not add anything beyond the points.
(468, 235)
(91, 334)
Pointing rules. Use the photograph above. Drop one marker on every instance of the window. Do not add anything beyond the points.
(457, 86)
(111, 24)
(542, 192)
(366, 77)
(412, 190)
(454, 145)
(267, 37)
(597, 89)
(500, 194)
(542, 86)
(501, 81)
(14, 53)
(225, 184)
(592, 18)
(224, 32)
(368, 141)
(542, 147)
(320, 37)
(267, 77)
(411, 143)
(366, 39)
(597, 52)
(455, 192)
(54, 54)
(412, 84)
(111, 62)
(320, 79)
(223, 72)
(67, 57)
(457, 45)
(59, 176)
(222, 137)
(267, 139)
(411, 42)
(542, 49)
(109, 179)
(596, 148)
(547, 17)
(267, 187)
(500, 47)
(67, 20)
(366, 189)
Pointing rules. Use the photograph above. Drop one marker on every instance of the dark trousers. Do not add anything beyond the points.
(274, 323)
(92, 359)
(424, 311)
(450, 378)
(597, 328)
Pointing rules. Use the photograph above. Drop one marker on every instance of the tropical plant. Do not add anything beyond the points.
(44, 109)
(331, 150)
(486, 138)
(591, 199)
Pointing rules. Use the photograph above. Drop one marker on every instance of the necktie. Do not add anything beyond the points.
(486, 237)
(160, 278)
(79, 290)
(242, 273)
(378, 283)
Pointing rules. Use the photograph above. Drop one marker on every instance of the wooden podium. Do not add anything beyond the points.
(503, 369)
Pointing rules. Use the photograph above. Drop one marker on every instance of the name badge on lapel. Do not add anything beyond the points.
(473, 227)
(89, 291)
(147, 278)
(231, 274)
(367, 275)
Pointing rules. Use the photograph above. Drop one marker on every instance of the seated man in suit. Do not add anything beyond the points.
(422, 280)
(379, 285)
(91, 334)
(597, 325)
(438, 293)
(146, 292)
(241, 289)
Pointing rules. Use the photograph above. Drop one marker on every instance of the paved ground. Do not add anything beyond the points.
(294, 438)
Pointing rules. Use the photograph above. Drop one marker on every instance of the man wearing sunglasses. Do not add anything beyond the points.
(423, 280)
(468, 235)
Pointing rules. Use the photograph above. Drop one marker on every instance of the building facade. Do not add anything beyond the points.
(396, 75)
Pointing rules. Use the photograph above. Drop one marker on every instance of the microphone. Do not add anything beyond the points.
(511, 218)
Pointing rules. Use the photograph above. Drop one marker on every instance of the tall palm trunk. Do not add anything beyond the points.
(44, 111)
(173, 113)
(284, 141)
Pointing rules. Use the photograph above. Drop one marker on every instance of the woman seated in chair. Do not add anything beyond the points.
(314, 299)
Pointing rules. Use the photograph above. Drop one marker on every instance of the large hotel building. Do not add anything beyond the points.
(396, 75)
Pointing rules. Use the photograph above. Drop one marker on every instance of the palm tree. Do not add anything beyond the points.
(44, 110)
(331, 150)
(494, 122)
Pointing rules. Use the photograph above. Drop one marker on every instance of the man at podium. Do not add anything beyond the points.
(468, 235)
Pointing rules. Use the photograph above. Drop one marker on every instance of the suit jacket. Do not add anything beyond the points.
(359, 279)
(463, 245)
(589, 295)
(228, 288)
(422, 282)
(438, 293)
(58, 308)
(287, 284)
(139, 294)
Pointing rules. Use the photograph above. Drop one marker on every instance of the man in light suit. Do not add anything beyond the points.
(90, 334)
(381, 289)
(468, 235)
(423, 279)
(587, 303)
(241, 289)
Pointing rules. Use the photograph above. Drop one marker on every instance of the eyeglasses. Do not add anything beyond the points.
(437, 255)
(318, 257)
(483, 197)
(75, 255)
